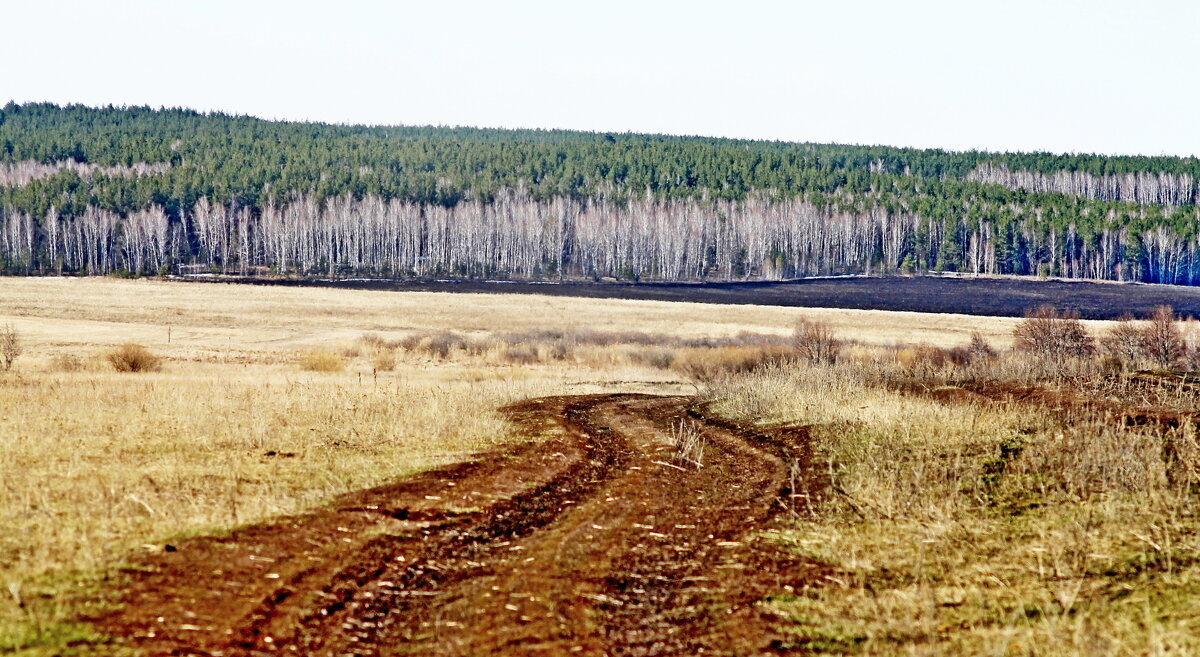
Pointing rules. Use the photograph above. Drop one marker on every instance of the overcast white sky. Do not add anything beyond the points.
(1061, 75)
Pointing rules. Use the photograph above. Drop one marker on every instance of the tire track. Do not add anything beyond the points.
(598, 541)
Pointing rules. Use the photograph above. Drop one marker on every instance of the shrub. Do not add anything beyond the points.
(814, 342)
(322, 361)
(980, 348)
(373, 341)
(521, 354)
(1124, 340)
(656, 357)
(10, 347)
(132, 357)
(1052, 334)
(973, 352)
(1162, 340)
(1159, 341)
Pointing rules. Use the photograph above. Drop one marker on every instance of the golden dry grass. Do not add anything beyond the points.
(971, 528)
(95, 463)
(232, 428)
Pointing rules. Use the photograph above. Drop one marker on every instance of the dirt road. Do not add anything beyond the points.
(617, 535)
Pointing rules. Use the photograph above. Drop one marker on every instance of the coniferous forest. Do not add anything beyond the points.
(138, 191)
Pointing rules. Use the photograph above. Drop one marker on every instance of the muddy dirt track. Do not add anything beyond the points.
(603, 539)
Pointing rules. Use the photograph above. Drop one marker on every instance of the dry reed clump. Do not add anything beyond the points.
(132, 357)
(318, 360)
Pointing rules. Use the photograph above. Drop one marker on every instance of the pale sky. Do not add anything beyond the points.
(1101, 76)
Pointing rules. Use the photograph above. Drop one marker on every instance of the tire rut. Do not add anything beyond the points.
(600, 541)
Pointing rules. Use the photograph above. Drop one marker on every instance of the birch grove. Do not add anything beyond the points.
(1142, 187)
(644, 239)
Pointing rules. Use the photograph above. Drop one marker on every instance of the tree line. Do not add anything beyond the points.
(517, 235)
(137, 190)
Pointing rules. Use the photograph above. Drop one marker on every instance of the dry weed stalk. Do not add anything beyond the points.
(688, 440)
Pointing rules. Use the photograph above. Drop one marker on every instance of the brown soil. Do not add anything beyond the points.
(601, 540)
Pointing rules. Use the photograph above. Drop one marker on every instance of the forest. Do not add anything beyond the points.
(141, 191)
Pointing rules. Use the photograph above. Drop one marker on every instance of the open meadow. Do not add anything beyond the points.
(919, 483)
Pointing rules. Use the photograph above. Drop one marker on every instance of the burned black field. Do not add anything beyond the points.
(1005, 297)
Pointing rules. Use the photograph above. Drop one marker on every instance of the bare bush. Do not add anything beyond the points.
(980, 348)
(1159, 341)
(10, 347)
(1124, 340)
(521, 354)
(132, 357)
(814, 342)
(656, 357)
(322, 361)
(1162, 340)
(1052, 334)
(373, 341)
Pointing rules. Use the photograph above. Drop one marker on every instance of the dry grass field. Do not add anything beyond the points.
(958, 522)
(965, 520)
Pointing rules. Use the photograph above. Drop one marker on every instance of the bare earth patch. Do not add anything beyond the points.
(598, 541)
